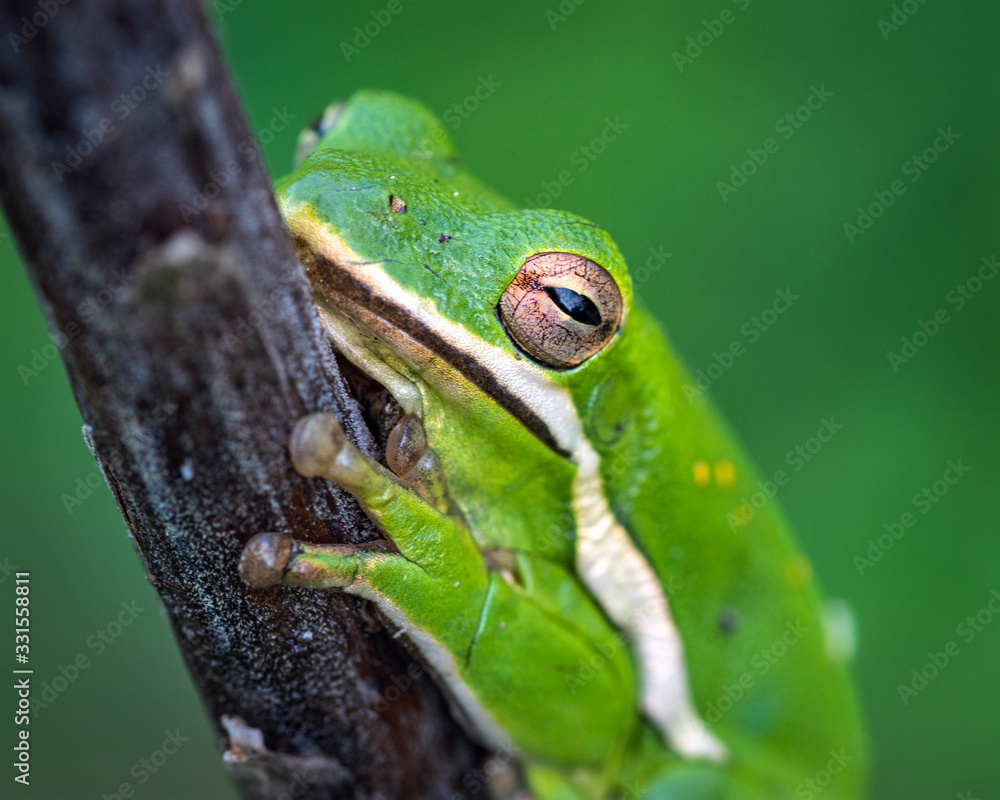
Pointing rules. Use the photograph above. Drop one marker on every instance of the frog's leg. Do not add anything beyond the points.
(549, 784)
(652, 774)
(505, 658)
(711, 782)
(435, 552)
(680, 780)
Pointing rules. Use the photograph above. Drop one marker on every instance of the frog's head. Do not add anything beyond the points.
(425, 278)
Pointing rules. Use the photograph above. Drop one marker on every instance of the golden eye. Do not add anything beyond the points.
(561, 308)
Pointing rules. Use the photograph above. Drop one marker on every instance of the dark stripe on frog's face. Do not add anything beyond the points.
(347, 288)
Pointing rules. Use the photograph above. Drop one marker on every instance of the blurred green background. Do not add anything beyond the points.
(558, 72)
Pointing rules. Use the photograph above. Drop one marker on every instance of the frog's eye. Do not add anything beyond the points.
(320, 127)
(561, 308)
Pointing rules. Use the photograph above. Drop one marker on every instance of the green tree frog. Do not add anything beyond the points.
(560, 547)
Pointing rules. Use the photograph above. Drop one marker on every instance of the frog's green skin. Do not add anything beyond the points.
(566, 566)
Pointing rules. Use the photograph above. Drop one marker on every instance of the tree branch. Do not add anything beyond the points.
(148, 227)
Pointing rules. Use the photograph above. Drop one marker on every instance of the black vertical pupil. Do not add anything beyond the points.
(574, 305)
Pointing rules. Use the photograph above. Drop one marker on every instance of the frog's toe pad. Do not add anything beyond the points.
(320, 449)
(317, 442)
(694, 783)
(265, 559)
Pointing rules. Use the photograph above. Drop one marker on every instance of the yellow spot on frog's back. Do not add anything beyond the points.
(702, 474)
(799, 570)
(725, 474)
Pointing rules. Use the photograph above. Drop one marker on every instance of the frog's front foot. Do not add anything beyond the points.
(270, 559)
(319, 448)
(428, 540)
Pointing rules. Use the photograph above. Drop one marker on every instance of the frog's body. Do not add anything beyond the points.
(569, 565)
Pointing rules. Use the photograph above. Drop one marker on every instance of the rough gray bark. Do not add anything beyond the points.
(150, 233)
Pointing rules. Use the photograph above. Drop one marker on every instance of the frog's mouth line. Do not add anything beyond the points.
(345, 294)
